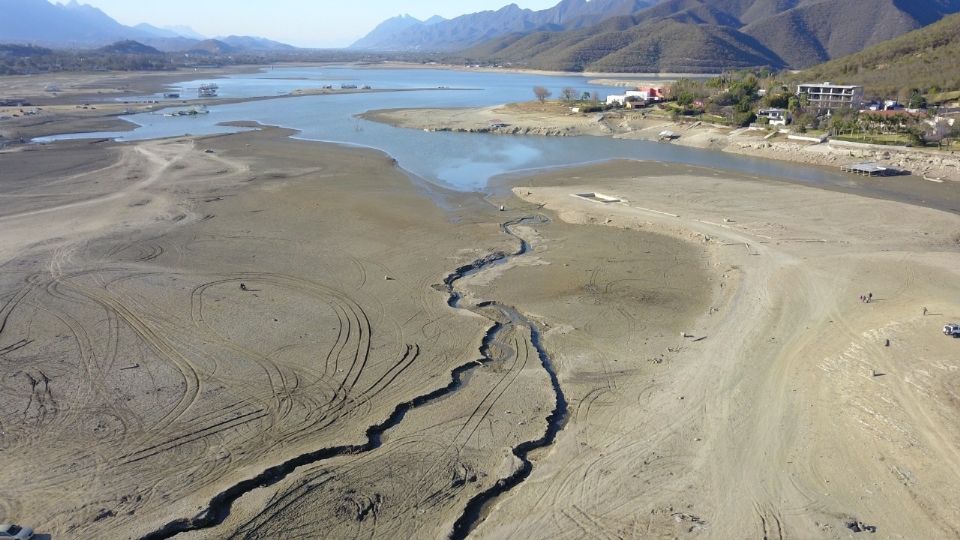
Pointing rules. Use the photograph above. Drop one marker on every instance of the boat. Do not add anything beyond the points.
(208, 90)
(172, 95)
(192, 111)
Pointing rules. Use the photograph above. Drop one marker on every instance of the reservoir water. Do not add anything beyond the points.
(463, 161)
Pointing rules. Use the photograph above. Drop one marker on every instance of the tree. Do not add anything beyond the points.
(917, 136)
(917, 101)
(585, 96)
(743, 119)
(685, 98)
(541, 93)
(803, 122)
(569, 94)
(841, 121)
(778, 100)
(794, 106)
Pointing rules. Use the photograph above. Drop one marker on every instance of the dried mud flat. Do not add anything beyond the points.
(790, 409)
(146, 391)
(248, 336)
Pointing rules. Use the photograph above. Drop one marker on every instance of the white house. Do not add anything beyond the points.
(617, 100)
(777, 117)
(643, 94)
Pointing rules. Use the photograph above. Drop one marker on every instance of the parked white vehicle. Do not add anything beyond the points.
(9, 531)
(952, 330)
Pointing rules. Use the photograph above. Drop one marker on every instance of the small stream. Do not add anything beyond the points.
(475, 511)
(220, 506)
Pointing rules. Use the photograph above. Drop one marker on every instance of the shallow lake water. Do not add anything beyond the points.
(463, 161)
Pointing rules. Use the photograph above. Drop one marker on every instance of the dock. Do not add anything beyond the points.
(868, 169)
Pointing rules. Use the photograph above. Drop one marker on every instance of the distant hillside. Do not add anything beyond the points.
(128, 47)
(674, 35)
(401, 34)
(928, 58)
(818, 31)
(186, 32)
(79, 26)
(618, 45)
(252, 43)
(73, 24)
(156, 32)
(22, 51)
(385, 35)
(211, 47)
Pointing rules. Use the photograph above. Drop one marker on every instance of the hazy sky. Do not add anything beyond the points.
(308, 23)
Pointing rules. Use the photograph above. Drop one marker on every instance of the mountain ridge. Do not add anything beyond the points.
(474, 28)
(81, 26)
(728, 34)
(922, 59)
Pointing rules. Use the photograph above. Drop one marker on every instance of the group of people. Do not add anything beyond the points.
(866, 298)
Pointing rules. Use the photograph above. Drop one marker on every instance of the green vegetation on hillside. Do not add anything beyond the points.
(736, 99)
(928, 59)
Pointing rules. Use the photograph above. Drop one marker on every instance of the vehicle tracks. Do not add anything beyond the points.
(220, 506)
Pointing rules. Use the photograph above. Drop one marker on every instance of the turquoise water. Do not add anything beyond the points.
(459, 160)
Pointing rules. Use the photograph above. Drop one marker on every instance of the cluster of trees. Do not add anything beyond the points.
(735, 97)
(588, 102)
(15, 60)
(919, 130)
(25, 60)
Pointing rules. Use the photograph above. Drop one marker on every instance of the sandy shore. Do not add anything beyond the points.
(87, 102)
(792, 409)
(252, 336)
(557, 120)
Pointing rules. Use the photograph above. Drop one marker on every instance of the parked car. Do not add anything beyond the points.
(9, 531)
(952, 330)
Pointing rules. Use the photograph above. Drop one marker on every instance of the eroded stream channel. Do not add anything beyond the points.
(505, 318)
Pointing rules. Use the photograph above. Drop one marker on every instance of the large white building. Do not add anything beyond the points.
(644, 94)
(827, 96)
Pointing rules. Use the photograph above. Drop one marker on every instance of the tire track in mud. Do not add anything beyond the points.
(220, 506)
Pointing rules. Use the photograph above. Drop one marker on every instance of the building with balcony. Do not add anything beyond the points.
(828, 97)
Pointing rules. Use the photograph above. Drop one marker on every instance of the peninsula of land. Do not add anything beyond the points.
(556, 119)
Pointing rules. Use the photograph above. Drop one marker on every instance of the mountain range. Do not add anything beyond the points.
(387, 33)
(668, 35)
(75, 25)
(402, 34)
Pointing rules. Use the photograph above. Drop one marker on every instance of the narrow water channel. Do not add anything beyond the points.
(220, 506)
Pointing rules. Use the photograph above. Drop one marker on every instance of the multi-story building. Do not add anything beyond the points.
(828, 97)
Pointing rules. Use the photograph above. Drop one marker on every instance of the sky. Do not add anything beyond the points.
(304, 23)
